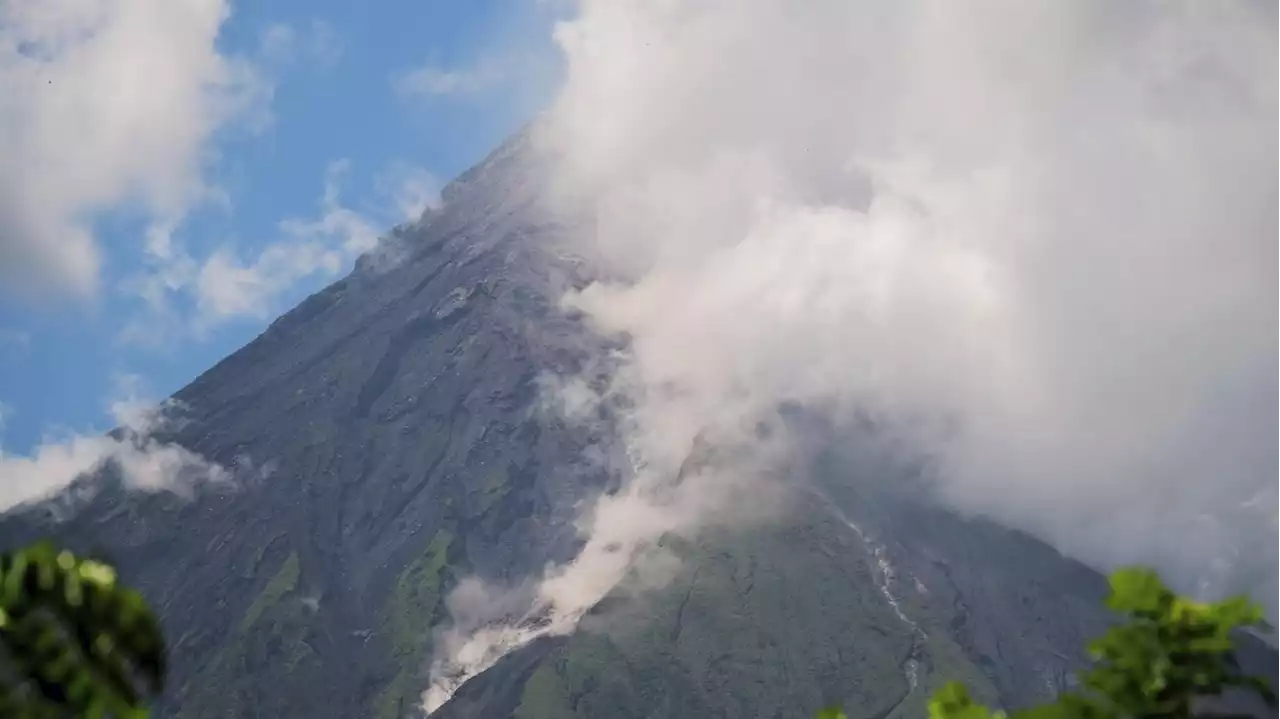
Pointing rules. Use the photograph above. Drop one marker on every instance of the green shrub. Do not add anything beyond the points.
(73, 642)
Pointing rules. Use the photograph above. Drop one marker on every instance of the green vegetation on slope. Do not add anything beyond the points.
(494, 488)
(283, 583)
(406, 621)
(263, 655)
(255, 562)
(754, 625)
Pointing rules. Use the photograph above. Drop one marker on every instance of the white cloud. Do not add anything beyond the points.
(413, 190)
(352, 232)
(433, 80)
(227, 288)
(511, 66)
(1042, 232)
(228, 285)
(224, 286)
(1051, 223)
(316, 43)
(105, 105)
(144, 463)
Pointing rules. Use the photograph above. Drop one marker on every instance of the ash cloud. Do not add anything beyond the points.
(1042, 232)
(1052, 225)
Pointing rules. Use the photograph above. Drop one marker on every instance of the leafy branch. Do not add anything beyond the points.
(73, 642)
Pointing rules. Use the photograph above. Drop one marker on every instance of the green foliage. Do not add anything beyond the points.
(284, 582)
(753, 623)
(265, 659)
(495, 486)
(407, 615)
(73, 642)
(1169, 652)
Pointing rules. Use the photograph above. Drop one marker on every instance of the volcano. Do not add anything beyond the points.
(388, 440)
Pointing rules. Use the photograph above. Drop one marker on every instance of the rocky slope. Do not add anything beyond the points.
(866, 598)
(389, 421)
(863, 598)
(388, 442)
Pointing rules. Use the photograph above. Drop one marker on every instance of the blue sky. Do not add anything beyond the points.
(188, 170)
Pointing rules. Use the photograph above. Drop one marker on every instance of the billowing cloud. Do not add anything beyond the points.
(1041, 234)
(90, 122)
(144, 462)
(1050, 225)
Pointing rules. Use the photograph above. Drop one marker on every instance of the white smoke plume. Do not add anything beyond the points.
(678, 484)
(1046, 229)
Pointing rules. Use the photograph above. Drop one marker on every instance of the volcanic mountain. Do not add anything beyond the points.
(388, 439)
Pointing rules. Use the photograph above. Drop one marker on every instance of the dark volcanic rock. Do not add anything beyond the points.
(388, 443)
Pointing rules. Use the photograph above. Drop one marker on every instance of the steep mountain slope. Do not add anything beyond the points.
(387, 443)
(390, 424)
(866, 598)
(863, 598)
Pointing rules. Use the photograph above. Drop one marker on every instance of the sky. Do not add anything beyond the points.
(175, 174)
(1034, 238)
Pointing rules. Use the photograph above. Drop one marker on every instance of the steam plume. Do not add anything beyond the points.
(1046, 230)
